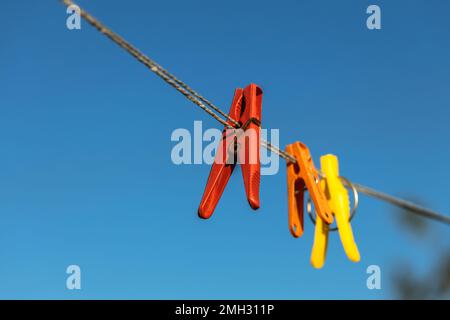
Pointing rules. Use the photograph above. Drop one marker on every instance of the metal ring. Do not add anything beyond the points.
(347, 183)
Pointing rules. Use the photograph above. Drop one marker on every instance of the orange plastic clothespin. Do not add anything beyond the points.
(303, 174)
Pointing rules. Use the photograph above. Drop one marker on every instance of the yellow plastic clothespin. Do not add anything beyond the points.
(339, 202)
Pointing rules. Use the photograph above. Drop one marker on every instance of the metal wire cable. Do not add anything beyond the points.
(155, 67)
(427, 213)
(179, 85)
(208, 107)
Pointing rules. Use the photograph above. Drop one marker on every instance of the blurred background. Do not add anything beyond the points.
(86, 176)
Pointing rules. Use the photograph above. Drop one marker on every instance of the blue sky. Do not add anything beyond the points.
(85, 171)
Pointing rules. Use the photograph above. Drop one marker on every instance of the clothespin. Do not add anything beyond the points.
(339, 203)
(300, 175)
(237, 145)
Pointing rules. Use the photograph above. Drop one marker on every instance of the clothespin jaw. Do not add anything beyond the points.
(319, 250)
(237, 145)
(338, 200)
(303, 174)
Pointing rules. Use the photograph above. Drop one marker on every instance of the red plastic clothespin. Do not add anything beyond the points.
(237, 145)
